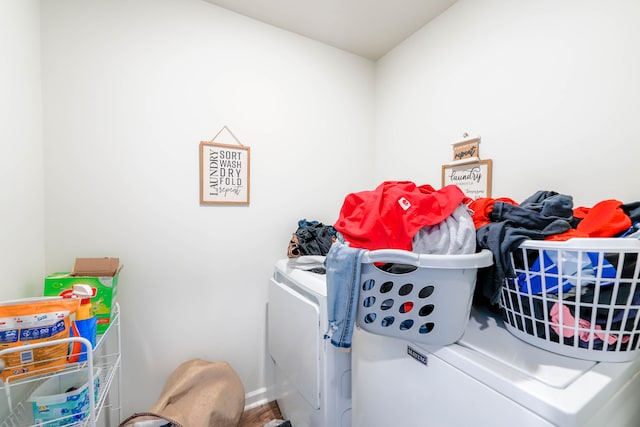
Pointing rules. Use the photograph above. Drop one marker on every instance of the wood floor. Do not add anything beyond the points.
(258, 417)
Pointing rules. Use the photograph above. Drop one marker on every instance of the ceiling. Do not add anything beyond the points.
(369, 28)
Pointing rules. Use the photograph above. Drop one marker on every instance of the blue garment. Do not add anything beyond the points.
(589, 270)
(343, 284)
(632, 232)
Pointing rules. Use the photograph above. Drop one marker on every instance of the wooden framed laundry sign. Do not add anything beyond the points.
(224, 173)
(473, 178)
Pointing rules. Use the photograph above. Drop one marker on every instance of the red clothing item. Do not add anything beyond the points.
(389, 216)
(604, 219)
(483, 207)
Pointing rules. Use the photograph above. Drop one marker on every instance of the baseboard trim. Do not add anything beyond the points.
(256, 398)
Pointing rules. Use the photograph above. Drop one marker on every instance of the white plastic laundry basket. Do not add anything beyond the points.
(579, 298)
(418, 297)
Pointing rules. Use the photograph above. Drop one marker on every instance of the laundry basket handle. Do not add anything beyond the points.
(613, 244)
(483, 258)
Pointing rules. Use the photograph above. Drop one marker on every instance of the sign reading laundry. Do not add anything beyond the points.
(474, 179)
(224, 173)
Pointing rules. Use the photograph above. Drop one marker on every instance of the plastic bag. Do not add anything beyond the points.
(31, 321)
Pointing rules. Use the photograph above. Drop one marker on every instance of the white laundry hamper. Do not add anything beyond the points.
(424, 298)
(579, 298)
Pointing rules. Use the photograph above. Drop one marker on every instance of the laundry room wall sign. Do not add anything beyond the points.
(467, 171)
(224, 172)
(466, 149)
(474, 179)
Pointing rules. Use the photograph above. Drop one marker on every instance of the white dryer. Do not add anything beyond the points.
(488, 378)
(312, 377)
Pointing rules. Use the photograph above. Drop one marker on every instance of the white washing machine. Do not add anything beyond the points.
(312, 377)
(488, 378)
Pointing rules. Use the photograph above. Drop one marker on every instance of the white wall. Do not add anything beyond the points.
(551, 87)
(130, 89)
(21, 173)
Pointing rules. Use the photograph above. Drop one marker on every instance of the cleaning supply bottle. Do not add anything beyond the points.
(85, 320)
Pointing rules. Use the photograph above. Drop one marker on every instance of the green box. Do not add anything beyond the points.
(105, 289)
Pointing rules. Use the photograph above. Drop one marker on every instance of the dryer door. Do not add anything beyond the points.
(293, 327)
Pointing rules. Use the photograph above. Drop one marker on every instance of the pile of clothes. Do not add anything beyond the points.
(403, 215)
(586, 281)
(502, 225)
(309, 244)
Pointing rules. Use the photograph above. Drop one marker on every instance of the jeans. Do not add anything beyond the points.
(343, 286)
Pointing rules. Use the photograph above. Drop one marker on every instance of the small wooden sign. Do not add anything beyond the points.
(469, 148)
(224, 173)
(473, 178)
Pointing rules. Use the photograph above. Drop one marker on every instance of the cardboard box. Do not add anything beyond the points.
(99, 273)
(97, 267)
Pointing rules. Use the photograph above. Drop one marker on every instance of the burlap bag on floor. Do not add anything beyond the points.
(197, 394)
